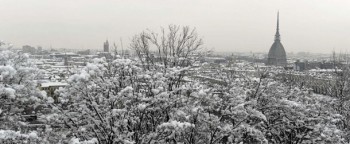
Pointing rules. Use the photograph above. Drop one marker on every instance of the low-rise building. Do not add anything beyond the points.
(51, 87)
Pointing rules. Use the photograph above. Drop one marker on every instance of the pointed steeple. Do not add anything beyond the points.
(277, 35)
(277, 55)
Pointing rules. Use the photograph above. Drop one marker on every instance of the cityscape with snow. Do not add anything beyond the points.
(165, 84)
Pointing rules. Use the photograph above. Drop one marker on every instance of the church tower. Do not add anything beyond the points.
(106, 46)
(277, 54)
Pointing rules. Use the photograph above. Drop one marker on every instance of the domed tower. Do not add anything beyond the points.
(277, 55)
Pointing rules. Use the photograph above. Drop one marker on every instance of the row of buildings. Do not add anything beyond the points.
(59, 65)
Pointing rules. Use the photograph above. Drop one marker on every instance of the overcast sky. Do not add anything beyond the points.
(224, 25)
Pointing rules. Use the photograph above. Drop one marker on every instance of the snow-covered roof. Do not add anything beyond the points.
(50, 84)
(325, 70)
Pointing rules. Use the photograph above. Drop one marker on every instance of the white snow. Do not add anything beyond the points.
(53, 84)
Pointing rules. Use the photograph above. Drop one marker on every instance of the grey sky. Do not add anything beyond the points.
(225, 25)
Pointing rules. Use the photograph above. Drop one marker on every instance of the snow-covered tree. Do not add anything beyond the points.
(173, 46)
(340, 90)
(120, 102)
(19, 96)
(279, 114)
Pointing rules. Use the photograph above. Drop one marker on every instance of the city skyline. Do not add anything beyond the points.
(174, 71)
(238, 26)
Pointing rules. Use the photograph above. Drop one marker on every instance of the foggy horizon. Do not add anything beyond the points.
(232, 26)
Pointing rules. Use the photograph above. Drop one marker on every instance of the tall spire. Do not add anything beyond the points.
(277, 35)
